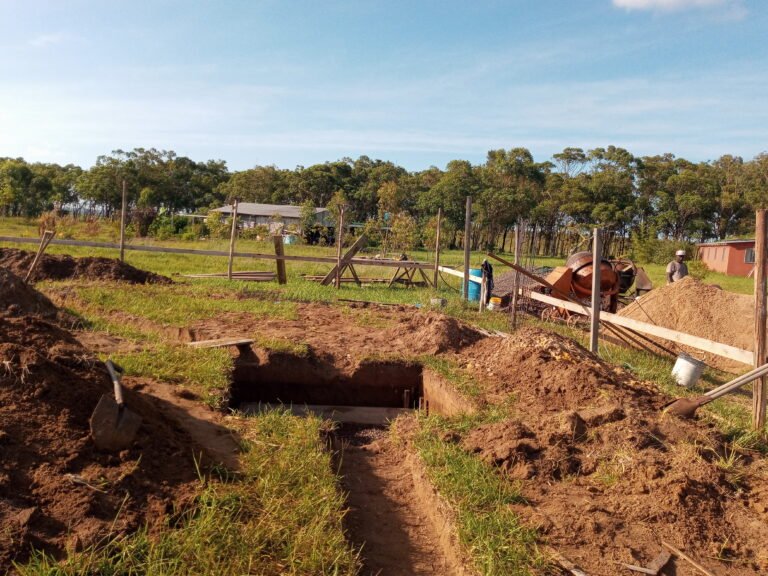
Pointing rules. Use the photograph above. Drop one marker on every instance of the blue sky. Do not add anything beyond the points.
(416, 82)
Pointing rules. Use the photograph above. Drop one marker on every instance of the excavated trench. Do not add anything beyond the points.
(391, 517)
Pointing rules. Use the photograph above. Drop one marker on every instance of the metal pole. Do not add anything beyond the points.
(467, 233)
(340, 234)
(760, 386)
(597, 253)
(232, 240)
(122, 226)
(437, 245)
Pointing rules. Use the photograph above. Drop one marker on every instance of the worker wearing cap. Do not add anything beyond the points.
(677, 269)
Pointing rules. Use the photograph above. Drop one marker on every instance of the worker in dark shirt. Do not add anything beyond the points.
(677, 269)
(488, 275)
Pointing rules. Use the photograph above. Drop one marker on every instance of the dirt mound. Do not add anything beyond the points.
(56, 489)
(548, 371)
(434, 333)
(17, 298)
(62, 267)
(702, 310)
(604, 473)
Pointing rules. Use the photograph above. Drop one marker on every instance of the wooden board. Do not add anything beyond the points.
(221, 343)
(166, 250)
(458, 274)
(724, 350)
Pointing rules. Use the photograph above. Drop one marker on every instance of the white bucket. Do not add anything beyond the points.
(687, 370)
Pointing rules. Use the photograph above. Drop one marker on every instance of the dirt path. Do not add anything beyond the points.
(385, 515)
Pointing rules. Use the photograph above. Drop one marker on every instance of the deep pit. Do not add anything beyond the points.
(374, 392)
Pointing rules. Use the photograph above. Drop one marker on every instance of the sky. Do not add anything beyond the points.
(417, 82)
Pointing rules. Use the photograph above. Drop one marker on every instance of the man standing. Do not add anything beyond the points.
(677, 269)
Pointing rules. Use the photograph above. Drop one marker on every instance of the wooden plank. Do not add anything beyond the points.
(167, 250)
(220, 342)
(724, 350)
(358, 245)
(452, 272)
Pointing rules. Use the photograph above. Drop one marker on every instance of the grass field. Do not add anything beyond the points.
(284, 515)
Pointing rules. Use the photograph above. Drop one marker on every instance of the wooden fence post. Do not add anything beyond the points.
(122, 225)
(597, 257)
(340, 234)
(760, 386)
(467, 240)
(282, 278)
(437, 245)
(516, 278)
(232, 240)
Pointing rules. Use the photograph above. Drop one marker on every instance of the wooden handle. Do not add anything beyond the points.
(115, 382)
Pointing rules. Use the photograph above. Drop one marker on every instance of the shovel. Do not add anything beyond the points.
(113, 426)
(686, 407)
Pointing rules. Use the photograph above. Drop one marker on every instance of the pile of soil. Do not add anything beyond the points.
(17, 298)
(57, 491)
(605, 475)
(703, 310)
(433, 333)
(62, 267)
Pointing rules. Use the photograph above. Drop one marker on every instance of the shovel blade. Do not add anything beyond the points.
(686, 407)
(113, 429)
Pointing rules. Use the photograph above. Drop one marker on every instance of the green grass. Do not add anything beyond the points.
(205, 371)
(178, 304)
(283, 345)
(282, 515)
(461, 380)
(490, 533)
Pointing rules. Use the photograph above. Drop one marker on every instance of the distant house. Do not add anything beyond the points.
(252, 214)
(732, 257)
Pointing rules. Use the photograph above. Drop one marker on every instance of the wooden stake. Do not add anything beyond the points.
(232, 240)
(340, 234)
(281, 276)
(760, 386)
(122, 225)
(467, 232)
(597, 252)
(45, 239)
(437, 245)
(693, 563)
(516, 278)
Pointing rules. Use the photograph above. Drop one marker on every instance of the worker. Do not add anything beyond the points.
(488, 276)
(677, 269)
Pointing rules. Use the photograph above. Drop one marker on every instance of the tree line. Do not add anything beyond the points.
(647, 197)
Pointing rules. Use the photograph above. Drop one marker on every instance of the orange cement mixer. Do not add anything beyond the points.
(575, 280)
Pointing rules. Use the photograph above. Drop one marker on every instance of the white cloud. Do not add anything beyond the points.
(44, 40)
(669, 5)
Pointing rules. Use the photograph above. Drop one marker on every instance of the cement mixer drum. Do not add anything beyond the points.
(580, 264)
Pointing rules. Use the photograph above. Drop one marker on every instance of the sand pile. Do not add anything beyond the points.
(62, 267)
(604, 473)
(702, 310)
(56, 489)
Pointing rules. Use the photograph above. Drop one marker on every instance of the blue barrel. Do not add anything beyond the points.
(474, 287)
